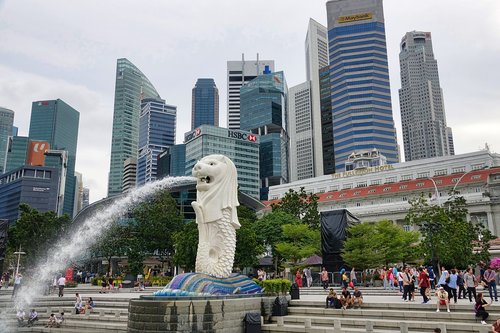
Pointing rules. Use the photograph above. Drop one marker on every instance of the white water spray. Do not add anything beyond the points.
(67, 250)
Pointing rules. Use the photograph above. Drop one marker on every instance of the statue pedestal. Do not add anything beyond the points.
(197, 284)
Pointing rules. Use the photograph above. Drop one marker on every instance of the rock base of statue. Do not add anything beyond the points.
(197, 284)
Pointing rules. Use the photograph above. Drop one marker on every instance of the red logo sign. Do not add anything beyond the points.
(252, 137)
(197, 132)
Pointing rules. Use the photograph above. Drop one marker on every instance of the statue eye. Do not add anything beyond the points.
(211, 163)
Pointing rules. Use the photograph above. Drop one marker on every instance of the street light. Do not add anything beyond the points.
(461, 177)
(18, 253)
(436, 190)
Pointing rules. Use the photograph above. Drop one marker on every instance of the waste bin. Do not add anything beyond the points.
(295, 291)
(280, 306)
(252, 322)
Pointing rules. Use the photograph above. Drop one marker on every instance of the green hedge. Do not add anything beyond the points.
(274, 286)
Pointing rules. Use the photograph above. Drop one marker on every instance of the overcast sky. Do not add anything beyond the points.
(68, 49)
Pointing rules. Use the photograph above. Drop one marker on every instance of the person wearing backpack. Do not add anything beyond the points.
(479, 308)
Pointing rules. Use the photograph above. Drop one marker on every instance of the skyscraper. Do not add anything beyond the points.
(264, 112)
(326, 121)
(359, 78)
(130, 88)
(205, 104)
(316, 47)
(6, 123)
(239, 73)
(301, 132)
(57, 123)
(425, 133)
(156, 133)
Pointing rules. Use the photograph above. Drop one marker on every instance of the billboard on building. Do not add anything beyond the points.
(36, 153)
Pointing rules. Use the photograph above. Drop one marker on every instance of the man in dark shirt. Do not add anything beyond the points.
(358, 297)
(346, 298)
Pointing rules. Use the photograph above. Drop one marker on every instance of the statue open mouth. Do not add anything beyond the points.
(205, 179)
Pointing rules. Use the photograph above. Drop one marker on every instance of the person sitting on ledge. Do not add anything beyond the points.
(346, 298)
(358, 297)
(32, 318)
(442, 296)
(52, 321)
(332, 300)
(60, 320)
(495, 328)
(20, 317)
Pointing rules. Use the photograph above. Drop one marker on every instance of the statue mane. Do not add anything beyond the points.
(222, 194)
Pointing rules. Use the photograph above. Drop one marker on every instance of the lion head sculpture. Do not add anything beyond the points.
(217, 187)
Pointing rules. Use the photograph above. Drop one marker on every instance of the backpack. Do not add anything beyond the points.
(477, 307)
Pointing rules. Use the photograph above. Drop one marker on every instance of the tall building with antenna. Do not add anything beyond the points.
(131, 87)
(238, 73)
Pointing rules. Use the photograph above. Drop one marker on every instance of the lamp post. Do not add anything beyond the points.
(461, 177)
(436, 190)
(18, 253)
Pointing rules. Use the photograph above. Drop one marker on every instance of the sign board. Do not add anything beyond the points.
(36, 153)
(363, 171)
(355, 17)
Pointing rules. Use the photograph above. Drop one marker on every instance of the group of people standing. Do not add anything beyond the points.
(304, 276)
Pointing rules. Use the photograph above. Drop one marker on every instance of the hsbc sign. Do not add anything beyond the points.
(242, 136)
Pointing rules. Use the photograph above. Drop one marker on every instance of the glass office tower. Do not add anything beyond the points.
(6, 123)
(359, 80)
(131, 87)
(205, 104)
(57, 123)
(264, 112)
(156, 133)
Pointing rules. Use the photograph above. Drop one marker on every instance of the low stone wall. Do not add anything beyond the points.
(215, 315)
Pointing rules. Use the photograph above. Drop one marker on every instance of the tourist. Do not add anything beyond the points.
(17, 284)
(383, 276)
(470, 283)
(61, 282)
(424, 284)
(261, 275)
(407, 281)
(358, 297)
(490, 277)
(354, 280)
(52, 321)
(411, 286)
(332, 300)
(60, 320)
(32, 317)
(20, 317)
(495, 328)
(345, 298)
(324, 278)
(7, 280)
(309, 278)
(390, 278)
(111, 283)
(479, 308)
(400, 279)
(78, 304)
(432, 277)
(452, 286)
(90, 304)
(298, 278)
(442, 299)
(1, 282)
(461, 283)
(345, 278)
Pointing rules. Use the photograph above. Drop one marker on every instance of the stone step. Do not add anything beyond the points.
(384, 324)
(273, 328)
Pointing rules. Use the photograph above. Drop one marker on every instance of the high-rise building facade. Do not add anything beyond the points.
(359, 80)
(264, 112)
(172, 161)
(6, 124)
(129, 174)
(205, 103)
(85, 197)
(326, 121)
(17, 152)
(316, 47)
(156, 133)
(239, 73)
(57, 123)
(423, 119)
(240, 146)
(301, 132)
(131, 87)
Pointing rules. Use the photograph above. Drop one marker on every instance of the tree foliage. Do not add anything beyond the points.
(186, 245)
(449, 239)
(156, 221)
(369, 245)
(298, 242)
(112, 243)
(302, 205)
(37, 233)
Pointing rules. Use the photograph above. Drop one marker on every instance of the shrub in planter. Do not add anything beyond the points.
(276, 286)
(71, 284)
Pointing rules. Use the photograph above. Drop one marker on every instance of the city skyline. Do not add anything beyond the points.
(78, 64)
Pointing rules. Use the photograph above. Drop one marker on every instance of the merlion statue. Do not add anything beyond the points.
(217, 219)
(216, 214)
